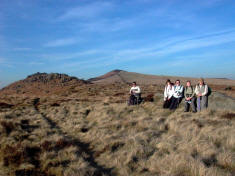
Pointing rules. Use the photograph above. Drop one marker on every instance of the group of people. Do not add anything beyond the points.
(195, 96)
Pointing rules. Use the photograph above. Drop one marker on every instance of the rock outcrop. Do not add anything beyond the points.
(43, 83)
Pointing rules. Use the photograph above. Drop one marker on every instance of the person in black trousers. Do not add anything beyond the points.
(168, 93)
(177, 96)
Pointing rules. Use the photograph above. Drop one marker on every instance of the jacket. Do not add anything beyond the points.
(201, 89)
(189, 92)
(168, 92)
(178, 91)
(135, 90)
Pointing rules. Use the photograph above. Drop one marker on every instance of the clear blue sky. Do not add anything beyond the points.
(87, 38)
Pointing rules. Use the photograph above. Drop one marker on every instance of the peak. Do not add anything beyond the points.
(48, 74)
(107, 75)
(116, 71)
(45, 77)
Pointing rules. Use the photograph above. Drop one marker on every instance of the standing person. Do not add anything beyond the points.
(168, 93)
(189, 94)
(135, 94)
(201, 91)
(177, 95)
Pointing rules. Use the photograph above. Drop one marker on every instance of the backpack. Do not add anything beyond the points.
(209, 91)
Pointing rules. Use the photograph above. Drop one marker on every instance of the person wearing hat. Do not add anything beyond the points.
(201, 91)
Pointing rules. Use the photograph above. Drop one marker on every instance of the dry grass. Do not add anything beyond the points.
(94, 132)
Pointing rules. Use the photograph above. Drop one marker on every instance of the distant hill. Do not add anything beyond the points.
(110, 77)
(43, 83)
(122, 76)
(114, 74)
(57, 84)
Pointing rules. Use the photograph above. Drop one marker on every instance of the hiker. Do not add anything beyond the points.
(135, 92)
(201, 91)
(177, 95)
(189, 95)
(168, 93)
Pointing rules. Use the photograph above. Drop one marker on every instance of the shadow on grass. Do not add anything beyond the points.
(82, 147)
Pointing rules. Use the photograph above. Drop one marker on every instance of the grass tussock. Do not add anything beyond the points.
(229, 116)
(68, 136)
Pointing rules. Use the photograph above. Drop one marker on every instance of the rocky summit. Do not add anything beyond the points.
(43, 83)
(45, 78)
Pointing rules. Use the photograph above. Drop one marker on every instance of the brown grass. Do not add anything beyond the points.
(68, 136)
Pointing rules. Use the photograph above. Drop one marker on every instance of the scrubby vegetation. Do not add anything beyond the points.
(94, 132)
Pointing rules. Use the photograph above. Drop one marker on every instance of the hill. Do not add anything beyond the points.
(113, 74)
(128, 77)
(223, 85)
(43, 84)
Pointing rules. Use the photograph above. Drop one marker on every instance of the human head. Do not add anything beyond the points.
(188, 83)
(201, 81)
(168, 82)
(134, 83)
(177, 82)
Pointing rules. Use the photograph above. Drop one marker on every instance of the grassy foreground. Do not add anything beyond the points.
(71, 138)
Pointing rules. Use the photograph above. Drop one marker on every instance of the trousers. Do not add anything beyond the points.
(191, 103)
(202, 103)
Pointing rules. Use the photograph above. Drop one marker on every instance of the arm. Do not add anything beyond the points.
(171, 92)
(193, 93)
(206, 90)
(185, 92)
(196, 90)
(165, 94)
(181, 89)
(138, 90)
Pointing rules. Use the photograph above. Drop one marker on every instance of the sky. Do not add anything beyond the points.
(87, 38)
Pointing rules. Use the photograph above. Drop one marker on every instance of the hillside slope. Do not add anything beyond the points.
(112, 74)
(128, 77)
(43, 83)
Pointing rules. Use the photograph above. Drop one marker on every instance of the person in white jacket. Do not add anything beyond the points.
(168, 93)
(135, 90)
(201, 91)
(177, 95)
(135, 94)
